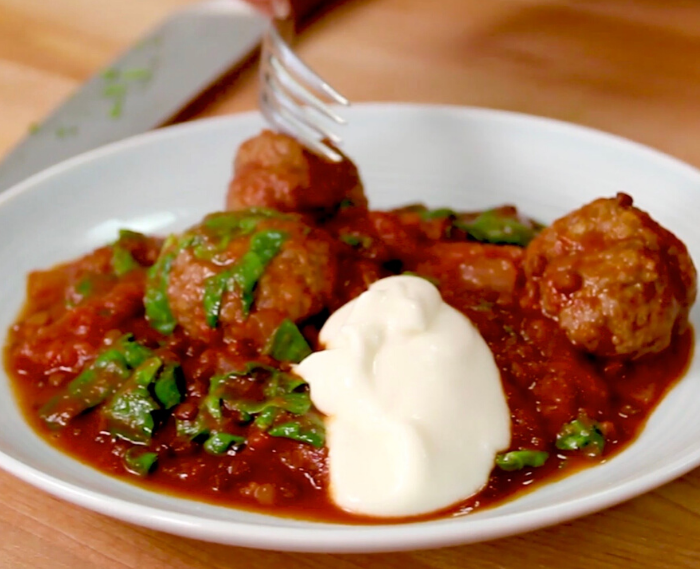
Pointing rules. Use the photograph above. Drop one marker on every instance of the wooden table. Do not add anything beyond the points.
(629, 67)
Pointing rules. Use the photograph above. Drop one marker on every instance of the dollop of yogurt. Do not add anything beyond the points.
(415, 410)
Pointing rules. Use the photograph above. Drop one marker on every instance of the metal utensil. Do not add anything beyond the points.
(292, 95)
(144, 87)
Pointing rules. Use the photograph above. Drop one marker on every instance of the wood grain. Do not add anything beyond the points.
(625, 66)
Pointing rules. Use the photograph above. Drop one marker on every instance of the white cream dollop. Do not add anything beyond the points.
(415, 408)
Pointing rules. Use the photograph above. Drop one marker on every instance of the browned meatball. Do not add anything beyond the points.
(274, 170)
(618, 283)
(215, 261)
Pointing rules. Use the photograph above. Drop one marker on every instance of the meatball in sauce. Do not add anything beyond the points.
(170, 362)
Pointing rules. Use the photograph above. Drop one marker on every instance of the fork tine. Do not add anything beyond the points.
(278, 95)
(279, 48)
(286, 122)
(287, 82)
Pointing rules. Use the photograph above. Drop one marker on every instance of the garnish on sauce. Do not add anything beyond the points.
(181, 363)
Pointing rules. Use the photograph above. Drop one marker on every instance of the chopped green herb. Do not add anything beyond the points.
(95, 384)
(244, 274)
(346, 202)
(129, 414)
(288, 344)
(34, 128)
(266, 417)
(219, 443)
(491, 227)
(117, 109)
(64, 131)
(356, 240)
(166, 387)
(519, 459)
(581, 434)
(122, 261)
(147, 371)
(137, 74)
(139, 462)
(311, 433)
(440, 213)
(158, 312)
(114, 90)
(349, 239)
(110, 74)
(84, 287)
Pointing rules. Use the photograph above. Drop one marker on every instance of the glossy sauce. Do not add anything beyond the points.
(546, 380)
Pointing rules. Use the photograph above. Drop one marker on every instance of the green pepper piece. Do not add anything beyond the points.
(219, 443)
(245, 274)
(288, 344)
(158, 312)
(94, 385)
(490, 227)
(519, 459)
(166, 387)
(581, 434)
(139, 462)
(308, 432)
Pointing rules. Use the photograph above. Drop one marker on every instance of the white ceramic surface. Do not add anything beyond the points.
(464, 158)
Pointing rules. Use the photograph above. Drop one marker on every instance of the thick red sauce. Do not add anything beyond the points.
(548, 382)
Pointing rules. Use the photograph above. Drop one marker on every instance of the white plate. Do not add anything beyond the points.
(465, 158)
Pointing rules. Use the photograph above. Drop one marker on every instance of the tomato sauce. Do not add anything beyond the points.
(73, 308)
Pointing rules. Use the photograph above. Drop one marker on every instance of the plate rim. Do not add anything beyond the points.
(341, 538)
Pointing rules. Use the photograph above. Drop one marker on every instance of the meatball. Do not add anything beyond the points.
(617, 282)
(274, 170)
(241, 274)
(492, 272)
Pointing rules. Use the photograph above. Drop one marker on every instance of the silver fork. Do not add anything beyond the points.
(293, 98)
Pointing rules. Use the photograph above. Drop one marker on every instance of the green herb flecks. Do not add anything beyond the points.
(492, 227)
(243, 275)
(119, 82)
(139, 462)
(581, 434)
(519, 459)
(288, 344)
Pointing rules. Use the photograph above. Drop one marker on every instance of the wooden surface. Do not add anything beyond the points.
(629, 67)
